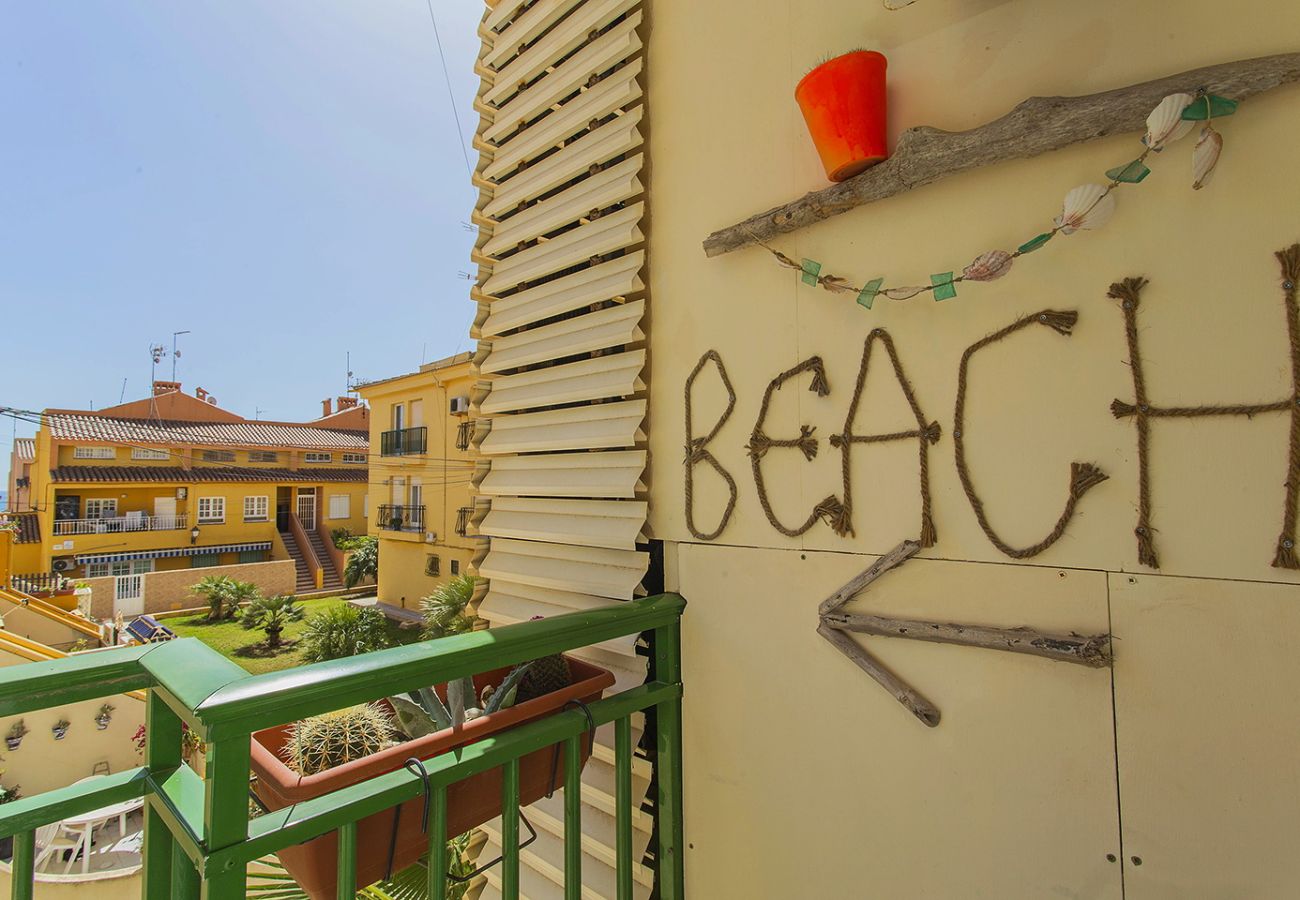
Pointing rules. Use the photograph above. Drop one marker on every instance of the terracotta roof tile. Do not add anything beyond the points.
(95, 474)
(29, 527)
(89, 427)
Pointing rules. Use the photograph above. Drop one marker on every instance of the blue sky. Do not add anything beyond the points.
(283, 179)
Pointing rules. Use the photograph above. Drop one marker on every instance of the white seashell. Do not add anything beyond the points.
(1165, 124)
(1205, 156)
(988, 266)
(903, 293)
(1087, 206)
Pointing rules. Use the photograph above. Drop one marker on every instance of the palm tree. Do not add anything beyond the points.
(363, 563)
(271, 614)
(343, 630)
(216, 591)
(446, 609)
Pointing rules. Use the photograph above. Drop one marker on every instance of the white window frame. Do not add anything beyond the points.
(263, 456)
(257, 508)
(122, 567)
(317, 457)
(103, 508)
(149, 453)
(89, 452)
(344, 502)
(354, 457)
(211, 455)
(216, 510)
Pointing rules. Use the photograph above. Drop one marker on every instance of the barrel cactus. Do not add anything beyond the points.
(332, 739)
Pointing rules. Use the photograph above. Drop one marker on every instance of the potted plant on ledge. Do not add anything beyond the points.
(60, 729)
(316, 756)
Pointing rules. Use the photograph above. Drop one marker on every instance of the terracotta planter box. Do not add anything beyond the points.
(470, 803)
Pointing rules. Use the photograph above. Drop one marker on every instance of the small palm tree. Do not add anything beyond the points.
(271, 614)
(364, 561)
(446, 610)
(216, 591)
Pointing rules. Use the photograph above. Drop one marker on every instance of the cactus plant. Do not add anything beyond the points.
(322, 742)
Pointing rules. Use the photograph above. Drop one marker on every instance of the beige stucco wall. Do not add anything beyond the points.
(169, 590)
(402, 581)
(791, 751)
(42, 763)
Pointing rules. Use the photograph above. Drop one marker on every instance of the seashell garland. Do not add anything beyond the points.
(988, 266)
(903, 293)
(1087, 206)
(1205, 156)
(1165, 123)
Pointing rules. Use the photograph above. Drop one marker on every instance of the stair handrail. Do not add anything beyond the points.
(304, 547)
(337, 557)
(50, 611)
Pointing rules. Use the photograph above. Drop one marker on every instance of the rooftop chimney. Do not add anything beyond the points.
(325, 409)
(346, 403)
(165, 387)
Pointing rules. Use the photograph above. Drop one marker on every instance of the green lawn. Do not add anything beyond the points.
(248, 649)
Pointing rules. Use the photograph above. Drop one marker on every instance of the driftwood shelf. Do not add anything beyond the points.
(1035, 126)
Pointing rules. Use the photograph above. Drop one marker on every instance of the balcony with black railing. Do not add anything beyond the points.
(462, 520)
(394, 517)
(404, 441)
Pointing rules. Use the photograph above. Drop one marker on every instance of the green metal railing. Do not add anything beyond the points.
(198, 837)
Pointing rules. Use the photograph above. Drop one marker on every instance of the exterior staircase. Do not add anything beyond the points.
(306, 578)
(332, 580)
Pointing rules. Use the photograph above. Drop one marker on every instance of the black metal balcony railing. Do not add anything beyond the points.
(400, 518)
(464, 431)
(404, 441)
(462, 520)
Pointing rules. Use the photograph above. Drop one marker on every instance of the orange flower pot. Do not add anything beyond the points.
(843, 104)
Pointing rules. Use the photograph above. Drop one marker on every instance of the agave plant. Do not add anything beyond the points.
(426, 713)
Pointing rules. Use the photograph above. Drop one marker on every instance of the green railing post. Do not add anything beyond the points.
(23, 871)
(510, 830)
(573, 818)
(438, 845)
(623, 805)
(185, 878)
(668, 715)
(225, 813)
(162, 752)
(346, 888)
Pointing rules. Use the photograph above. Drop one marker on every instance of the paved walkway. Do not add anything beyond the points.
(402, 616)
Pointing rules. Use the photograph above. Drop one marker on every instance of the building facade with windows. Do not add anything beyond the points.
(420, 472)
(173, 482)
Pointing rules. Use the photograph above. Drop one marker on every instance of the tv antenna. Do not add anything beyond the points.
(176, 354)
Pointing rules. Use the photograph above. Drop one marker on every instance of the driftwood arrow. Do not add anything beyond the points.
(1037, 125)
(1093, 650)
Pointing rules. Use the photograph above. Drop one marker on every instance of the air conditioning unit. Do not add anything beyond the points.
(460, 405)
(182, 493)
(430, 536)
(63, 564)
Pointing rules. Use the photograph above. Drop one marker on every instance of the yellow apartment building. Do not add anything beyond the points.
(137, 498)
(420, 473)
(20, 472)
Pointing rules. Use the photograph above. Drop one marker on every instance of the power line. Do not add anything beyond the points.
(451, 96)
(34, 417)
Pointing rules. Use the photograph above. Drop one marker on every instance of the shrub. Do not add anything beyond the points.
(271, 614)
(344, 539)
(343, 630)
(323, 742)
(446, 609)
(364, 561)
